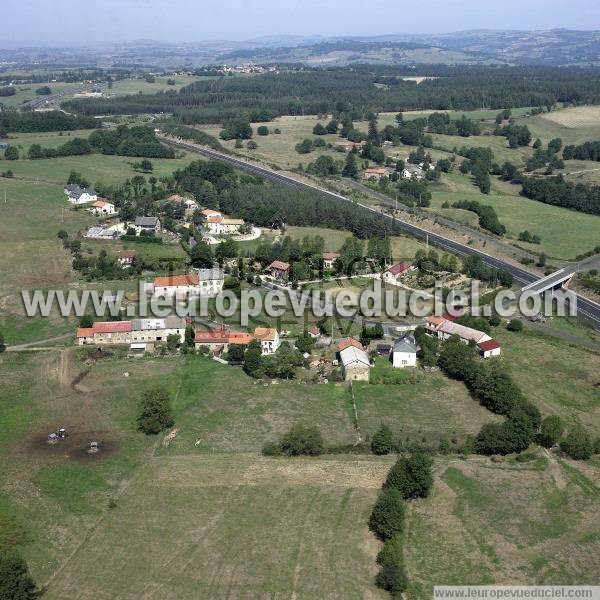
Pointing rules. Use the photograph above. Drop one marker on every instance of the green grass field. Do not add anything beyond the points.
(96, 168)
(553, 224)
(278, 149)
(403, 247)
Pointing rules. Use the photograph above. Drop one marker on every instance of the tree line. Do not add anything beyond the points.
(352, 89)
(13, 121)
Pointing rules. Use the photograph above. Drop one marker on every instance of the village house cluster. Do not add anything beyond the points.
(136, 331)
(219, 339)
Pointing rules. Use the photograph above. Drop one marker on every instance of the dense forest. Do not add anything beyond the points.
(558, 192)
(12, 121)
(353, 91)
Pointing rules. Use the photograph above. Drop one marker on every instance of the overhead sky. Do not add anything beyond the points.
(197, 20)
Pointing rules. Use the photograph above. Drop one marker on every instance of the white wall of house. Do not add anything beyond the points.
(83, 199)
(401, 360)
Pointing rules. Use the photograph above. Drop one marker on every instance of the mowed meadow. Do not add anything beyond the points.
(198, 512)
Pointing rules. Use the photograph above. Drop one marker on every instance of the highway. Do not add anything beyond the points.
(587, 309)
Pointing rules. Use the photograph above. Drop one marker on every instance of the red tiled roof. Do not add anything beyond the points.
(279, 265)
(85, 332)
(331, 255)
(449, 317)
(399, 268)
(376, 171)
(346, 343)
(175, 280)
(240, 337)
(100, 203)
(111, 327)
(212, 336)
(488, 345)
(315, 330)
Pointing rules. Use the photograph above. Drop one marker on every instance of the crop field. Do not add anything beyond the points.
(573, 125)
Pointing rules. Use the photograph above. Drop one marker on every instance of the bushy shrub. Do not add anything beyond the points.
(155, 413)
(392, 576)
(577, 444)
(300, 440)
(411, 476)
(387, 517)
(383, 441)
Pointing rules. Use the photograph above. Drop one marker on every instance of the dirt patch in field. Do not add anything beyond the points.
(76, 446)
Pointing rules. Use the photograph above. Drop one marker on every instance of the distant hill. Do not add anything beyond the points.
(554, 47)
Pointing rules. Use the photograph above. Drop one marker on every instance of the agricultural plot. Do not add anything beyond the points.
(559, 378)
(200, 512)
(426, 407)
(96, 168)
(238, 526)
(505, 523)
(31, 255)
(279, 149)
(552, 223)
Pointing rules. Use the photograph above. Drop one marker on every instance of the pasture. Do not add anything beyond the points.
(96, 168)
(552, 223)
(200, 512)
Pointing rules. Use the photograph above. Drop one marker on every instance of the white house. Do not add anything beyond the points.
(443, 328)
(489, 348)
(329, 259)
(375, 174)
(355, 363)
(126, 257)
(413, 172)
(100, 207)
(78, 195)
(395, 272)
(404, 352)
(217, 224)
(210, 281)
(268, 338)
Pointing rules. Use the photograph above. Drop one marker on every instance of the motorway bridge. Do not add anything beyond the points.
(586, 309)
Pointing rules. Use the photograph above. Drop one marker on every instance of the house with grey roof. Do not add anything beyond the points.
(78, 195)
(404, 353)
(147, 224)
